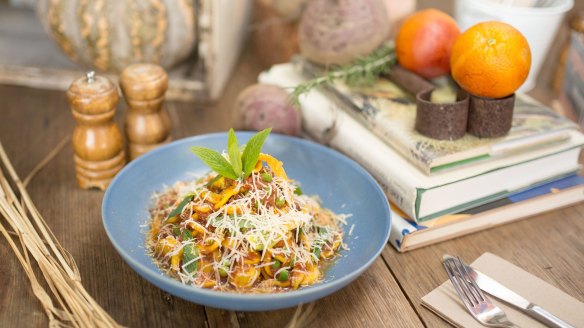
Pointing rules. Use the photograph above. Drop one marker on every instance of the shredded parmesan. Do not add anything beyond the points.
(246, 231)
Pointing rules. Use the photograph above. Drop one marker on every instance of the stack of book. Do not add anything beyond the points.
(443, 189)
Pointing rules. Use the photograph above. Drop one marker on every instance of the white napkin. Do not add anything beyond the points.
(445, 302)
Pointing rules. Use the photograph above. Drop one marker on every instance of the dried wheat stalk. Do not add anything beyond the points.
(66, 302)
(303, 318)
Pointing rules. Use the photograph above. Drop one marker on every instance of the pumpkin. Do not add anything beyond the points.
(109, 35)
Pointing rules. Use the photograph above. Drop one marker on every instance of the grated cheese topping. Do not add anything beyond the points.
(246, 235)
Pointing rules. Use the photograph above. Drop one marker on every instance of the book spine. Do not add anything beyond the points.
(406, 235)
(326, 123)
(492, 218)
(400, 228)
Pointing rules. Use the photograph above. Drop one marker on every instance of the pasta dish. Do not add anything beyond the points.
(256, 233)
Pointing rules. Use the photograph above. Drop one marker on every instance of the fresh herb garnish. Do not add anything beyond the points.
(252, 150)
(239, 164)
(215, 161)
(316, 251)
(179, 208)
(215, 179)
(234, 153)
(187, 235)
(362, 71)
(191, 252)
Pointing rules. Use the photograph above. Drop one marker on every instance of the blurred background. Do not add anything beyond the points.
(199, 42)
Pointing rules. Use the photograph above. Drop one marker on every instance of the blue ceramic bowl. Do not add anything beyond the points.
(343, 186)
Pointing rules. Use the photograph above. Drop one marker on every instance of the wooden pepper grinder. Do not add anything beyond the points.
(97, 141)
(147, 123)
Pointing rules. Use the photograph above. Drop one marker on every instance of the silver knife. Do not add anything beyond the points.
(503, 293)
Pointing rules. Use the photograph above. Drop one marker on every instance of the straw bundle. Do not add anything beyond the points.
(66, 302)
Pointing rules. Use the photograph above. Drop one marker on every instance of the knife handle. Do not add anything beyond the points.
(544, 316)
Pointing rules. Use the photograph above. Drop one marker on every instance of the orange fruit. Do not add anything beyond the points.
(423, 42)
(490, 60)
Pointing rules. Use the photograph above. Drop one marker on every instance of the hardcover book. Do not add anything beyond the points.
(390, 113)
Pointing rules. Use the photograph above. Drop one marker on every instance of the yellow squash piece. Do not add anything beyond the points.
(275, 283)
(225, 195)
(297, 278)
(175, 260)
(211, 196)
(202, 208)
(276, 165)
(312, 275)
(196, 228)
(209, 246)
(164, 246)
(234, 209)
(244, 276)
(251, 258)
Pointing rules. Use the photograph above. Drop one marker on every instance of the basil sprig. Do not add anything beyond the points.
(239, 164)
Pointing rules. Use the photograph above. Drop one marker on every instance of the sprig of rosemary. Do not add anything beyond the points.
(362, 71)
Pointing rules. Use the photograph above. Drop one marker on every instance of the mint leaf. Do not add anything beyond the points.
(238, 163)
(215, 161)
(252, 151)
(234, 153)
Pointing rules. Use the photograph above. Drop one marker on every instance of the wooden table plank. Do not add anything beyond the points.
(373, 300)
(24, 144)
(549, 246)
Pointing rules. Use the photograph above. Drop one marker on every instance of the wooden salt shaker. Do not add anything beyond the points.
(147, 123)
(98, 143)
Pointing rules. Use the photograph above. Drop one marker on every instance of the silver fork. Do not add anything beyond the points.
(477, 303)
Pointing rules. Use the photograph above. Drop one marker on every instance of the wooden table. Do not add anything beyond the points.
(32, 122)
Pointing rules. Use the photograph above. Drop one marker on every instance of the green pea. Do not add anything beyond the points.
(267, 177)
(283, 275)
(276, 265)
(280, 202)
